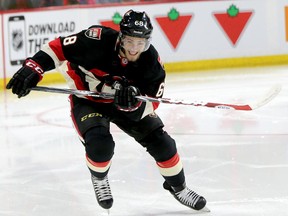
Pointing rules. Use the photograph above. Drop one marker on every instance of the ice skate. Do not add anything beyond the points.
(187, 197)
(102, 192)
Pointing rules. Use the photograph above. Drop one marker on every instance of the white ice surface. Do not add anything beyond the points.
(238, 160)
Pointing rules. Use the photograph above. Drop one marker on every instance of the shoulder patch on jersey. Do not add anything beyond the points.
(94, 33)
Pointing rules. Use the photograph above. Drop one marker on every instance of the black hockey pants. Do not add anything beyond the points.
(92, 121)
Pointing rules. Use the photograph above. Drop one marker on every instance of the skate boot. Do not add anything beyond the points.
(186, 196)
(102, 192)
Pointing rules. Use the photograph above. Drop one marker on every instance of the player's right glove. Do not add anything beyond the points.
(125, 99)
(26, 77)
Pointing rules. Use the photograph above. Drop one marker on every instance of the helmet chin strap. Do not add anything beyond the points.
(122, 50)
(147, 44)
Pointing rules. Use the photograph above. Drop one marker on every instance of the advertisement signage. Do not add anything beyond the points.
(183, 32)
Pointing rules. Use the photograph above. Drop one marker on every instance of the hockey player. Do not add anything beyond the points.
(123, 63)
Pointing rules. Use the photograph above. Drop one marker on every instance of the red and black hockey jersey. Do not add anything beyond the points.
(86, 58)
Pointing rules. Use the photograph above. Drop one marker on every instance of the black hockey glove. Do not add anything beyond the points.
(26, 77)
(125, 99)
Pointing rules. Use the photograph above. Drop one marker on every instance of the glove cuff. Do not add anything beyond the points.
(130, 109)
(34, 66)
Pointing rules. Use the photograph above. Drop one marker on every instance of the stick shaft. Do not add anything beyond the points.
(244, 107)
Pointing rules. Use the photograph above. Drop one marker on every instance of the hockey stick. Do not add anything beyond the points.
(274, 91)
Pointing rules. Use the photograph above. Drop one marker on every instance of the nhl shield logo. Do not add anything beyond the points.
(17, 40)
(94, 33)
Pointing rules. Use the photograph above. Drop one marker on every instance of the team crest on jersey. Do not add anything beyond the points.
(94, 33)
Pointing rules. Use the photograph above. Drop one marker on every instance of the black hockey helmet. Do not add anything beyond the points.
(136, 24)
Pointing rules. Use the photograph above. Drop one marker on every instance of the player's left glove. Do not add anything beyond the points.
(26, 77)
(125, 98)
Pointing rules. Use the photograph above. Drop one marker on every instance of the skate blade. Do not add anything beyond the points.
(204, 210)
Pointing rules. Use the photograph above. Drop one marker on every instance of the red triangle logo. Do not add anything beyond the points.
(233, 26)
(174, 29)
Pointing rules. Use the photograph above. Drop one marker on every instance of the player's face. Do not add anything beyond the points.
(133, 47)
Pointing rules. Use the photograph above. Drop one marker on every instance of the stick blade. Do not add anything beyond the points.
(269, 96)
